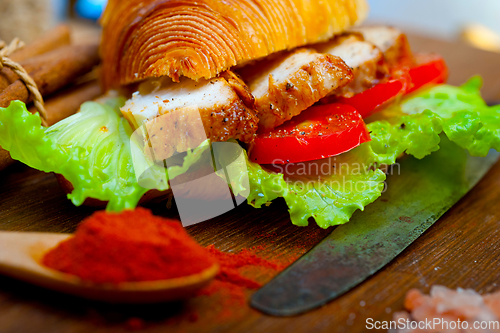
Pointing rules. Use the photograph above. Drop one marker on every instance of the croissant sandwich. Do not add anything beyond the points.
(201, 39)
(289, 99)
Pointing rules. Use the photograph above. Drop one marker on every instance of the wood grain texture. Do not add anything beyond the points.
(5, 159)
(459, 250)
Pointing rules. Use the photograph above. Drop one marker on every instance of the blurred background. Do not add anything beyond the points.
(28, 19)
(476, 22)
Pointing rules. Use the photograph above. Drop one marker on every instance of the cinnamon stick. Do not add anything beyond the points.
(52, 71)
(52, 40)
(60, 106)
(68, 101)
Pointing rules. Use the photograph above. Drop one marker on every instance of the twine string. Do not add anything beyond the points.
(5, 61)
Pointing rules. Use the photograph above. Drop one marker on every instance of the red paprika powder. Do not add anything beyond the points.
(240, 273)
(231, 263)
(128, 247)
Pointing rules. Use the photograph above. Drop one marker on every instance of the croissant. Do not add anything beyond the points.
(200, 39)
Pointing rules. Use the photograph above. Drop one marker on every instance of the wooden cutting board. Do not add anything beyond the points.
(460, 250)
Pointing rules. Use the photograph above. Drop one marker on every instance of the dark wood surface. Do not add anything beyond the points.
(460, 250)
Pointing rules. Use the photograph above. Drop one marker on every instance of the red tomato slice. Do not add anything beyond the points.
(369, 100)
(429, 69)
(319, 132)
(332, 129)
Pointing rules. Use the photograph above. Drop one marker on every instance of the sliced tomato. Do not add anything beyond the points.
(428, 69)
(318, 132)
(332, 129)
(369, 100)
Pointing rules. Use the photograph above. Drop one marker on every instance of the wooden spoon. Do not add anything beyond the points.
(21, 254)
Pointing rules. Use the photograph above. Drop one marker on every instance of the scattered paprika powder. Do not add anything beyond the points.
(137, 246)
(128, 247)
(240, 273)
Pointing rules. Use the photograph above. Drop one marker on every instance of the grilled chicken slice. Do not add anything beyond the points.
(289, 84)
(366, 60)
(180, 116)
(391, 41)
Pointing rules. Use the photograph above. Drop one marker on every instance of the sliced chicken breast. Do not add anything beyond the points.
(179, 116)
(289, 84)
(365, 59)
(392, 42)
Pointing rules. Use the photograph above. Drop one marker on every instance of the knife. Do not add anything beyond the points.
(418, 193)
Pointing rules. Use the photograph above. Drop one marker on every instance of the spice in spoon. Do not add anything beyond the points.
(130, 246)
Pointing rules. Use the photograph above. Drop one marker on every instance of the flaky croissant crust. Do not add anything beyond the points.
(200, 39)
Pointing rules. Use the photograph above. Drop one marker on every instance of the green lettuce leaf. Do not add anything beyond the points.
(347, 184)
(94, 151)
(265, 186)
(334, 196)
(459, 112)
(91, 149)
(413, 126)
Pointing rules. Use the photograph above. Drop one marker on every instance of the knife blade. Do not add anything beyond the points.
(418, 193)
